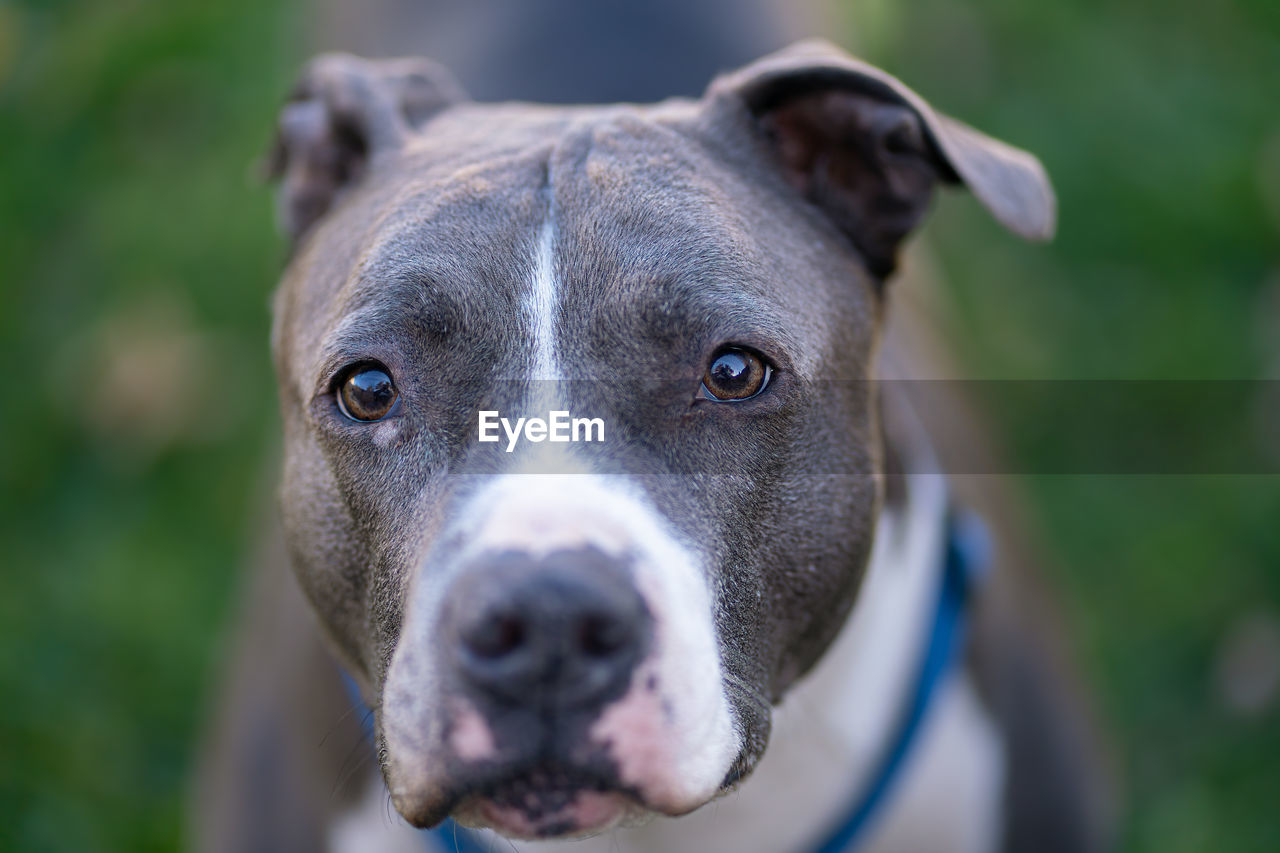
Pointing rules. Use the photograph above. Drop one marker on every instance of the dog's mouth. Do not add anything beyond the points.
(548, 802)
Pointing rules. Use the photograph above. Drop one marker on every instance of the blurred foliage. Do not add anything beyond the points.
(1158, 123)
(137, 255)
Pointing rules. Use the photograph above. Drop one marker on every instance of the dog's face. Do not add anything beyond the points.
(562, 635)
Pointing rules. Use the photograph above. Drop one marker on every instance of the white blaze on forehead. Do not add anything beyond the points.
(541, 304)
(672, 734)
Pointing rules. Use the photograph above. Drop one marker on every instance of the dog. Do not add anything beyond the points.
(752, 605)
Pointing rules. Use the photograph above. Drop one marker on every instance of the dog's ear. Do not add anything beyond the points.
(343, 114)
(868, 151)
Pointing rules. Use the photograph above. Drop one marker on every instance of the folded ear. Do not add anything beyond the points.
(344, 113)
(868, 151)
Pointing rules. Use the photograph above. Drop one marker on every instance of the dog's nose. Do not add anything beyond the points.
(565, 630)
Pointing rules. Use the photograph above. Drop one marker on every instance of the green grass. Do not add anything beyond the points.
(135, 241)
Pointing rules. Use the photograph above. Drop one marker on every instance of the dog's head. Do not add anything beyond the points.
(561, 636)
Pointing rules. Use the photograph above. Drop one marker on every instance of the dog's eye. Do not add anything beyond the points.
(735, 374)
(366, 392)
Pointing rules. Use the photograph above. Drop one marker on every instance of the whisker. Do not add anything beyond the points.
(388, 808)
(747, 692)
(346, 715)
(361, 752)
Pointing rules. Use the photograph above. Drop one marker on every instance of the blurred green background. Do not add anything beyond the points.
(137, 255)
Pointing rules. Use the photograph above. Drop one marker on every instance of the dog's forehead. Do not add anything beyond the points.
(643, 216)
(620, 185)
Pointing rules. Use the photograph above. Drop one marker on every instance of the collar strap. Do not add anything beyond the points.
(966, 560)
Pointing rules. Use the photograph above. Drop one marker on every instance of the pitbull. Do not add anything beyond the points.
(740, 588)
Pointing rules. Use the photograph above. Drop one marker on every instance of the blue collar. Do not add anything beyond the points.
(966, 559)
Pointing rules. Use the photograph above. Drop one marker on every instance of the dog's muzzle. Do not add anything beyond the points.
(535, 648)
(557, 670)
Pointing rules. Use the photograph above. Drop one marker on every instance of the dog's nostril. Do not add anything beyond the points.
(601, 636)
(499, 635)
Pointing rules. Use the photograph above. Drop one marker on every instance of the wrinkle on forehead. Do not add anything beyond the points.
(444, 257)
(657, 239)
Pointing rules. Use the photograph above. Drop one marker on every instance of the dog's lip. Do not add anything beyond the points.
(421, 811)
(580, 813)
(498, 798)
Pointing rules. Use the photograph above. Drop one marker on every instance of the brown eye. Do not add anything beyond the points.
(367, 393)
(734, 374)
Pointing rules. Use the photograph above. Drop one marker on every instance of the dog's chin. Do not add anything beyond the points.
(544, 815)
(532, 803)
